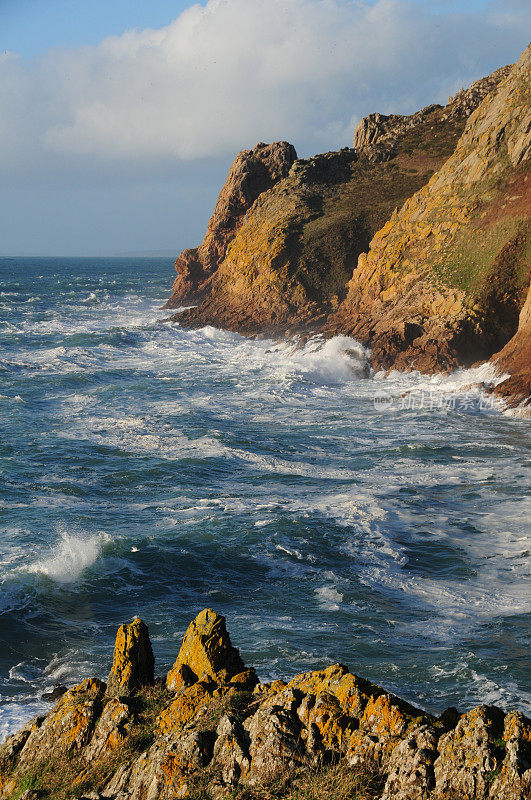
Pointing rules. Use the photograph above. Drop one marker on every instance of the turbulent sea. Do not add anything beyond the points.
(149, 470)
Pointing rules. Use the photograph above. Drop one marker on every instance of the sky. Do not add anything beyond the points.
(119, 120)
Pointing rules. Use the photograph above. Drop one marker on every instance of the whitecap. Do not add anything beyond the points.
(70, 557)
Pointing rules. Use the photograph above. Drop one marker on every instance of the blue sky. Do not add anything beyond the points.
(111, 145)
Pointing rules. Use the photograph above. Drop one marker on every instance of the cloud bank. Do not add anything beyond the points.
(231, 73)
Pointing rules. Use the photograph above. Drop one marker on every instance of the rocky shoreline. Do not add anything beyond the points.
(415, 241)
(210, 729)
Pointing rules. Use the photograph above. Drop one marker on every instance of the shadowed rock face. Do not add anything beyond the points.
(213, 737)
(515, 358)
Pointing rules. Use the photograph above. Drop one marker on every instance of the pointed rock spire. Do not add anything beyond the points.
(133, 661)
(207, 654)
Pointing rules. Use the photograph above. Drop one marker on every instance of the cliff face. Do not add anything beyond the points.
(284, 265)
(211, 730)
(328, 244)
(445, 278)
(252, 172)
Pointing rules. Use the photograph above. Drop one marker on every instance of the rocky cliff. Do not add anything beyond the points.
(445, 278)
(283, 261)
(251, 174)
(415, 241)
(210, 729)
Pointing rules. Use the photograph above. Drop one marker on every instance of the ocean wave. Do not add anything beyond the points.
(69, 558)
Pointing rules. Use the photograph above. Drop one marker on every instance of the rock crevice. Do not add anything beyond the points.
(216, 734)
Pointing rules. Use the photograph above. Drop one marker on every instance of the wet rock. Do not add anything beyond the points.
(207, 654)
(133, 661)
(55, 693)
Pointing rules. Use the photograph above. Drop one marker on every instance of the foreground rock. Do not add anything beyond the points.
(211, 730)
(133, 663)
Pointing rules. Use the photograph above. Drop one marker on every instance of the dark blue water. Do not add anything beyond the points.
(149, 470)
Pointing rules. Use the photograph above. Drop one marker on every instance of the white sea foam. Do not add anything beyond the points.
(329, 598)
(69, 558)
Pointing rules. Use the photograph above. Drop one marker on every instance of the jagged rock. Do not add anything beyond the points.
(251, 174)
(187, 706)
(275, 743)
(111, 729)
(287, 267)
(514, 779)
(164, 771)
(382, 129)
(445, 277)
(410, 766)
(68, 727)
(470, 755)
(319, 718)
(515, 358)
(12, 746)
(207, 654)
(133, 661)
(231, 751)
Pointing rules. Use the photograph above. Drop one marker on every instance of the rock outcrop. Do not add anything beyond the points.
(207, 654)
(214, 735)
(445, 278)
(252, 172)
(416, 241)
(133, 664)
(284, 264)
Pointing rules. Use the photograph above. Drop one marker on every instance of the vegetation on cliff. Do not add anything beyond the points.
(210, 729)
(416, 242)
(445, 278)
(288, 260)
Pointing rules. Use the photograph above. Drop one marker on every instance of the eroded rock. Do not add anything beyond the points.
(207, 654)
(133, 661)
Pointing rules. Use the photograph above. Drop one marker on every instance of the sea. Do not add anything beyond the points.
(330, 513)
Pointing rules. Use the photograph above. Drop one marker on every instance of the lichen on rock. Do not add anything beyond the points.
(214, 739)
(133, 662)
(207, 654)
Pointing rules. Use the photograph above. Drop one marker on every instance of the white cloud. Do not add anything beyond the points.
(223, 76)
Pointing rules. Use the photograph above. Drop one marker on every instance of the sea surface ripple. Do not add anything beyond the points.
(148, 470)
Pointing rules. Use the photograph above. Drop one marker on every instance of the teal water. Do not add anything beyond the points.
(149, 470)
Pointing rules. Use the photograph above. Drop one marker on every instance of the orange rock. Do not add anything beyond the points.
(207, 654)
(133, 661)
